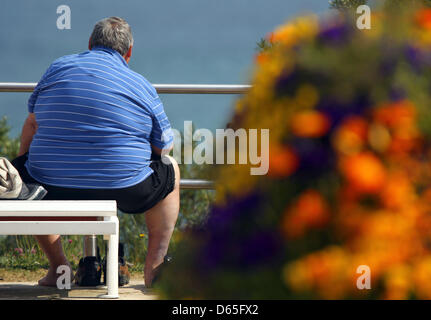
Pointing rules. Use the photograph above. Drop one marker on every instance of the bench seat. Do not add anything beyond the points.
(70, 217)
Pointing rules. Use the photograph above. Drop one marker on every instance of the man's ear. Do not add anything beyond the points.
(128, 54)
(89, 44)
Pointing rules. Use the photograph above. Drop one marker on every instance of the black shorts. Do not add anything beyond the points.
(135, 199)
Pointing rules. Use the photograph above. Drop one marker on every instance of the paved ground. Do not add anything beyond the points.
(135, 290)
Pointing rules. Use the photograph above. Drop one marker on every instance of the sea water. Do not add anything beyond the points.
(182, 41)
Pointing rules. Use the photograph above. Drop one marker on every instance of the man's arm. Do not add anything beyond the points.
(161, 137)
(28, 131)
(30, 125)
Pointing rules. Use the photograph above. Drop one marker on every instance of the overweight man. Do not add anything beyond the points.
(98, 130)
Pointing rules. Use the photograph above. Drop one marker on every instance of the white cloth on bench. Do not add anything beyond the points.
(13, 188)
(10, 180)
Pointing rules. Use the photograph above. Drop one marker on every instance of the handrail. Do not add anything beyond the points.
(160, 88)
(196, 184)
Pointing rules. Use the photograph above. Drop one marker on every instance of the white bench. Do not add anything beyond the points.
(20, 217)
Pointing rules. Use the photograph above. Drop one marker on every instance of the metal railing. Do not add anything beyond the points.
(162, 89)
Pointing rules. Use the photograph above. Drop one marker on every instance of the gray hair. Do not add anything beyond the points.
(114, 33)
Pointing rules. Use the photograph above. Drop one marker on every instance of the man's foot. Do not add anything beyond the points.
(156, 273)
(50, 280)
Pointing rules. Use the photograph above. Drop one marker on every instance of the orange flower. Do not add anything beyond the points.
(309, 211)
(261, 58)
(351, 135)
(426, 196)
(282, 162)
(364, 172)
(310, 124)
(400, 118)
(423, 18)
(396, 115)
(405, 142)
(398, 192)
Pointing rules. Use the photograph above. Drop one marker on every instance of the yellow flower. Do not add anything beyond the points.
(290, 34)
(350, 136)
(397, 282)
(379, 137)
(379, 213)
(422, 278)
(295, 276)
(328, 273)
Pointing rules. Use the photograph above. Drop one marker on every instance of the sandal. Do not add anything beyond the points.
(167, 260)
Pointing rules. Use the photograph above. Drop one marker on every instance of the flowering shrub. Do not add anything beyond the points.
(349, 170)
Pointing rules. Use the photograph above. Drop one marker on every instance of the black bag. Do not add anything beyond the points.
(89, 271)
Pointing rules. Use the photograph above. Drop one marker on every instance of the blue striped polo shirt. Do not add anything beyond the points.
(97, 120)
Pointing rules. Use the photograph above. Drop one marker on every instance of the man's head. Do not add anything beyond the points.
(114, 33)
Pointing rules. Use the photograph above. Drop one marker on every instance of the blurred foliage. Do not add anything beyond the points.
(349, 169)
(353, 4)
(9, 147)
(346, 4)
(350, 6)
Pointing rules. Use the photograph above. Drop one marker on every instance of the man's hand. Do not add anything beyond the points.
(28, 130)
(161, 152)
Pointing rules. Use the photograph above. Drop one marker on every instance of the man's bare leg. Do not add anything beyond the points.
(161, 220)
(51, 246)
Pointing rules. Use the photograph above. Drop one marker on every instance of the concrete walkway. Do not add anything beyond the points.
(135, 290)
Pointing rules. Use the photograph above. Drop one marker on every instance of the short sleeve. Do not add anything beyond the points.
(161, 134)
(33, 97)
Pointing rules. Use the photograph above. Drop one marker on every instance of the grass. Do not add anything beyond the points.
(21, 260)
(22, 252)
(21, 275)
(24, 261)
(25, 275)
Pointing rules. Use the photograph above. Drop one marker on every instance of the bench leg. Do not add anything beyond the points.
(112, 262)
